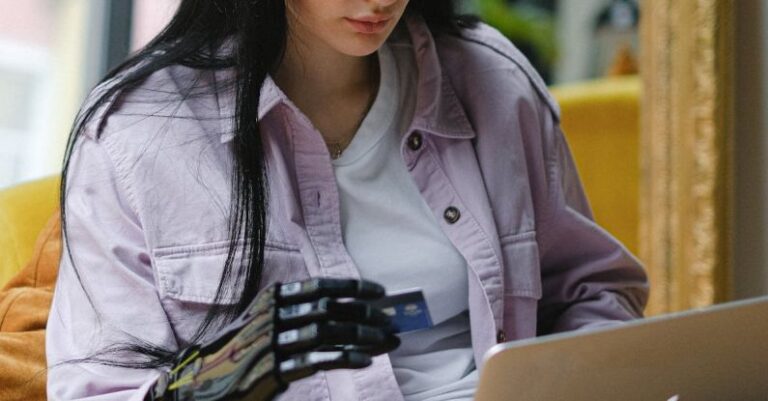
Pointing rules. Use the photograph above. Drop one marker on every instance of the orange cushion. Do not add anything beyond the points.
(24, 305)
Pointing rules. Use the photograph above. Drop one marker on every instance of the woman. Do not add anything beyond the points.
(256, 142)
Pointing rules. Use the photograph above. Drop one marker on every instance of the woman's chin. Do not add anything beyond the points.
(361, 45)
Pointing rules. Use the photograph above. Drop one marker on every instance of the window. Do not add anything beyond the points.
(51, 55)
(27, 86)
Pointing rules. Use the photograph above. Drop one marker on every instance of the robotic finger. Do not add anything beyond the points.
(327, 309)
(314, 289)
(305, 365)
(266, 380)
(334, 335)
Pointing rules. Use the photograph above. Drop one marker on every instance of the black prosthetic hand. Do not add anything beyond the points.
(289, 332)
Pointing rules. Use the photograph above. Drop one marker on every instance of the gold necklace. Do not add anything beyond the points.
(336, 148)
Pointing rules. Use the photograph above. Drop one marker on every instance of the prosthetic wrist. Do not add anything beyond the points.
(289, 332)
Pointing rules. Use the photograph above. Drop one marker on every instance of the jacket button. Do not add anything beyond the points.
(501, 337)
(452, 215)
(414, 141)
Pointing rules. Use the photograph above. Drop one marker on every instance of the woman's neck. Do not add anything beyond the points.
(320, 72)
(332, 89)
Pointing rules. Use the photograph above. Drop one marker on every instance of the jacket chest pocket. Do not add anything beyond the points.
(193, 273)
(188, 277)
(522, 284)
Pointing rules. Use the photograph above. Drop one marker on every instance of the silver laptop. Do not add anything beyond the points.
(718, 353)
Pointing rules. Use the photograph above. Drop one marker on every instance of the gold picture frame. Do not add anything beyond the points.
(686, 147)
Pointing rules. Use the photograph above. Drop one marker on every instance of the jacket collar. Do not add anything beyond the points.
(270, 96)
(438, 109)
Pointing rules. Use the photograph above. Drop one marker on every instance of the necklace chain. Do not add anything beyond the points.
(336, 148)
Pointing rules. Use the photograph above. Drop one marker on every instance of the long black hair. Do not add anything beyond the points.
(257, 30)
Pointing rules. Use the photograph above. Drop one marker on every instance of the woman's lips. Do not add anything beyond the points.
(368, 26)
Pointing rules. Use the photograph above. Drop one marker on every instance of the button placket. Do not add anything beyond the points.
(459, 225)
(320, 202)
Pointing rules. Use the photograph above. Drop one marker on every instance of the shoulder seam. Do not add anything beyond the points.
(535, 80)
(122, 176)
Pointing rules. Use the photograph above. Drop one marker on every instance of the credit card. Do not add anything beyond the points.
(407, 309)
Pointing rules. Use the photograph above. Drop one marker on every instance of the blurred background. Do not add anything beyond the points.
(52, 52)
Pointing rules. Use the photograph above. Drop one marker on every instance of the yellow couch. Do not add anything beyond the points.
(27, 212)
(24, 210)
(600, 119)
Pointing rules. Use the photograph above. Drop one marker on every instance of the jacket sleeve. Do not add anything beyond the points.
(589, 279)
(105, 295)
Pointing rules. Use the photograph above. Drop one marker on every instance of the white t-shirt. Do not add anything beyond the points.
(395, 240)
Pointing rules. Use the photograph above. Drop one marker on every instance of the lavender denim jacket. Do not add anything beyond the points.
(148, 211)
